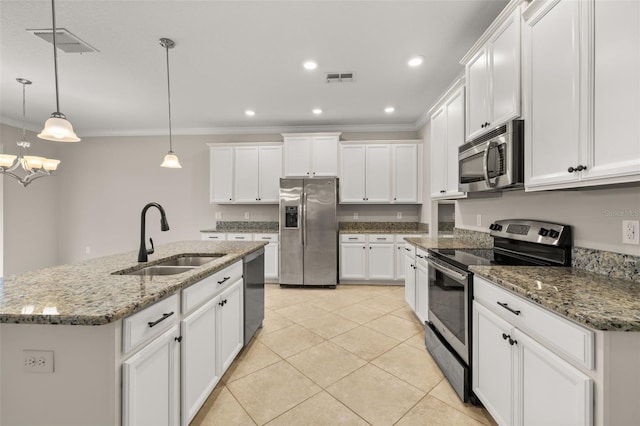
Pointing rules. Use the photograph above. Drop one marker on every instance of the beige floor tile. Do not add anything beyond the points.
(433, 412)
(365, 342)
(384, 303)
(332, 302)
(414, 366)
(290, 340)
(252, 358)
(269, 392)
(320, 410)
(359, 313)
(301, 312)
(375, 395)
(445, 393)
(279, 301)
(405, 312)
(395, 327)
(273, 321)
(329, 325)
(326, 363)
(417, 340)
(221, 408)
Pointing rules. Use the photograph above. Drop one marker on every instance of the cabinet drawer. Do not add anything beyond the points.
(150, 322)
(266, 237)
(219, 236)
(353, 238)
(240, 237)
(571, 340)
(380, 238)
(409, 250)
(202, 291)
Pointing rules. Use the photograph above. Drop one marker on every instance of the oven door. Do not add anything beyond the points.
(449, 305)
(483, 167)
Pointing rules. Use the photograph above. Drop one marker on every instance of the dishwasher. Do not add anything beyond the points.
(253, 294)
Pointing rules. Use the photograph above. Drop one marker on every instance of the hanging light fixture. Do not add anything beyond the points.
(32, 167)
(57, 128)
(171, 159)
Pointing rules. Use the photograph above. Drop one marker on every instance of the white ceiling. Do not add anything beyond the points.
(236, 55)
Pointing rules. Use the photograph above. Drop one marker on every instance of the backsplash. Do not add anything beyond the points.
(231, 226)
(384, 227)
(476, 237)
(607, 263)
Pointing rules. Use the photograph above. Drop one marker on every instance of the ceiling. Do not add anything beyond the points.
(236, 55)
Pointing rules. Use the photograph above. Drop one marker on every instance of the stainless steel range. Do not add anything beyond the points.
(448, 330)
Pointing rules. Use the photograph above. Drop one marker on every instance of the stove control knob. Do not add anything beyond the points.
(544, 232)
(554, 234)
(492, 226)
(498, 227)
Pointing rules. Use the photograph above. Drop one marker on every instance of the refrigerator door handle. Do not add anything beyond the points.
(303, 221)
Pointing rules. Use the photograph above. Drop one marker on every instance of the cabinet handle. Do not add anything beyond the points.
(158, 321)
(571, 170)
(223, 280)
(178, 339)
(581, 168)
(381, 239)
(394, 198)
(512, 342)
(266, 238)
(230, 199)
(407, 249)
(353, 238)
(223, 302)
(420, 256)
(307, 173)
(505, 336)
(363, 247)
(506, 306)
(369, 247)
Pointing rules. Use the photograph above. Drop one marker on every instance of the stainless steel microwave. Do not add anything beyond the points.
(493, 161)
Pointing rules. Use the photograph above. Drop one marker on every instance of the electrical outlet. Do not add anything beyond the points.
(399, 215)
(87, 250)
(355, 215)
(218, 215)
(630, 232)
(37, 361)
(247, 215)
(478, 220)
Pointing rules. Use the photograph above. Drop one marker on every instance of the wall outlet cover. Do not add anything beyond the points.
(399, 215)
(37, 361)
(247, 215)
(630, 232)
(478, 220)
(218, 215)
(355, 215)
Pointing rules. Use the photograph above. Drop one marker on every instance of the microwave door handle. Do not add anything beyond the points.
(485, 165)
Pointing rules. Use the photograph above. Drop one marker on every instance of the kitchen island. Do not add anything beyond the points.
(86, 318)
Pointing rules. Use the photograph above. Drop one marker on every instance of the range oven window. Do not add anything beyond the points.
(447, 301)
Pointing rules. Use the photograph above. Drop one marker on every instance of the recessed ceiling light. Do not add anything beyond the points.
(416, 61)
(389, 110)
(310, 65)
(250, 113)
(317, 111)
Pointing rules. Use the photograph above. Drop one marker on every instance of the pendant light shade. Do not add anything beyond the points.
(171, 159)
(57, 128)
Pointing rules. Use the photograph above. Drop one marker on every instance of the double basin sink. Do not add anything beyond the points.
(178, 265)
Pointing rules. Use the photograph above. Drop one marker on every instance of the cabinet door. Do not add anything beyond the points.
(246, 174)
(297, 156)
(230, 325)
(454, 138)
(352, 173)
(493, 371)
(405, 173)
(271, 261)
(400, 262)
(378, 174)
(410, 281)
(439, 152)
(221, 174)
(553, 127)
(505, 71)
(270, 172)
(422, 285)
(198, 359)
(477, 84)
(380, 261)
(324, 156)
(550, 382)
(353, 261)
(151, 383)
(615, 151)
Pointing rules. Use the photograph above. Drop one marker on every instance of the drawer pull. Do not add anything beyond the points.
(420, 256)
(381, 239)
(505, 336)
(178, 339)
(222, 303)
(506, 306)
(224, 280)
(266, 238)
(158, 321)
(353, 238)
(407, 249)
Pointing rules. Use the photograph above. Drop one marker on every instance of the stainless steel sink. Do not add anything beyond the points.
(160, 270)
(188, 260)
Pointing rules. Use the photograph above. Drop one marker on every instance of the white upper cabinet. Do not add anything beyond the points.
(380, 173)
(447, 134)
(311, 155)
(493, 75)
(245, 173)
(582, 79)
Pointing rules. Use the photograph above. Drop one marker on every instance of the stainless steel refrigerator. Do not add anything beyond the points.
(308, 231)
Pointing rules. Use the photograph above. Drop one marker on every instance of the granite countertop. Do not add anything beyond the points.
(87, 293)
(447, 243)
(383, 228)
(593, 300)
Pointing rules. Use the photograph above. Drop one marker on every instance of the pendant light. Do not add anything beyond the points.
(32, 167)
(57, 128)
(171, 159)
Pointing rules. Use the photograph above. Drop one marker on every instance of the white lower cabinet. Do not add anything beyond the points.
(518, 378)
(410, 277)
(370, 257)
(422, 286)
(381, 261)
(230, 325)
(151, 383)
(353, 261)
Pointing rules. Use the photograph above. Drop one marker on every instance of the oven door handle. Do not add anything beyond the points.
(455, 275)
(485, 164)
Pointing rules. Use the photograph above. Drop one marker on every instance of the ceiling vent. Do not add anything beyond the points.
(340, 77)
(65, 40)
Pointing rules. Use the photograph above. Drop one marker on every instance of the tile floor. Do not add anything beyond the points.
(350, 356)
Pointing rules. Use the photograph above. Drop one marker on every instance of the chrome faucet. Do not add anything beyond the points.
(164, 226)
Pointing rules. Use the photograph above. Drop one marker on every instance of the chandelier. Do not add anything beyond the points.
(30, 167)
